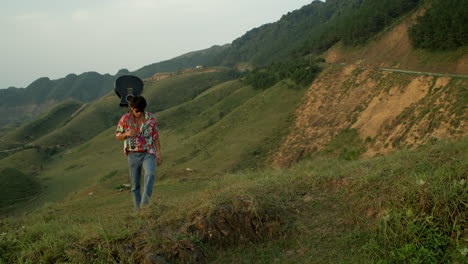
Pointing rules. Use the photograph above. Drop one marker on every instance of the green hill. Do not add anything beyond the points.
(104, 113)
(44, 124)
(206, 57)
(18, 105)
(92, 128)
(236, 132)
(190, 132)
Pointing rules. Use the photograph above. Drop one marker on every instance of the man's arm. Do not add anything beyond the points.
(122, 133)
(157, 146)
(122, 136)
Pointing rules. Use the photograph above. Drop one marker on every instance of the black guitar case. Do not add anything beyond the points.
(127, 86)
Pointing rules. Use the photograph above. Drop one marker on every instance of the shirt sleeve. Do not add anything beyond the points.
(120, 126)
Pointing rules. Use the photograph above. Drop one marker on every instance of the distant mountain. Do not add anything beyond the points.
(18, 105)
(85, 87)
(315, 28)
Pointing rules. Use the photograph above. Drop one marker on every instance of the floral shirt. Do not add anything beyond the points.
(147, 133)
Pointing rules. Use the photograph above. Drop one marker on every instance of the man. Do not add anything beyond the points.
(139, 129)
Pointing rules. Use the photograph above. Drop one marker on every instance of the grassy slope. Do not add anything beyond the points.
(19, 175)
(92, 120)
(104, 113)
(404, 207)
(17, 188)
(260, 119)
(401, 208)
(69, 167)
(47, 122)
(330, 210)
(90, 152)
(87, 163)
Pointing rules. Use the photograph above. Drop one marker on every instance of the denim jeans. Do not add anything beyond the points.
(137, 161)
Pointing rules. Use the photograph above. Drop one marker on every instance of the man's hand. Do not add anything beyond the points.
(158, 159)
(130, 133)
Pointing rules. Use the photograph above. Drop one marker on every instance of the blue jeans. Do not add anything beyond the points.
(137, 161)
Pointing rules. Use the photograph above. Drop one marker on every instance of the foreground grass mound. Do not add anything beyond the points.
(408, 207)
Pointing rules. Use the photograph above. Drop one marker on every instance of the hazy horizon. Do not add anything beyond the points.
(54, 38)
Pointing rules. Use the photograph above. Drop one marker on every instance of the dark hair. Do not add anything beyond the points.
(138, 102)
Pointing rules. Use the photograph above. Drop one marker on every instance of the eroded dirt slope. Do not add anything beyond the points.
(389, 110)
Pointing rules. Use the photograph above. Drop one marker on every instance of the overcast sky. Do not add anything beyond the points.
(53, 38)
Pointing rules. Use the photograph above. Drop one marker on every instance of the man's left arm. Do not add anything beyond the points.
(157, 146)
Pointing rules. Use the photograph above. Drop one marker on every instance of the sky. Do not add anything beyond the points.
(53, 38)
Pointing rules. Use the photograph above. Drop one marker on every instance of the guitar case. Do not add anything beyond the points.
(127, 86)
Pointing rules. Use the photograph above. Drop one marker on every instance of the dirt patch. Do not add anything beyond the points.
(387, 106)
(239, 221)
(442, 82)
(183, 251)
(390, 110)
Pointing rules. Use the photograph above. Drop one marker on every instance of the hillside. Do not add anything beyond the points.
(405, 207)
(42, 125)
(21, 104)
(390, 110)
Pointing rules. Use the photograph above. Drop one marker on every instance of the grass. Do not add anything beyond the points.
(407, 207)
(167, 93)
(345, 145)
(17, 188)
(254, 121)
